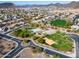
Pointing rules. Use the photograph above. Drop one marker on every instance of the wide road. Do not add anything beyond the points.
(76, 38)
(14, 52)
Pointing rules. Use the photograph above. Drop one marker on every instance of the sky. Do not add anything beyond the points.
(35, 2)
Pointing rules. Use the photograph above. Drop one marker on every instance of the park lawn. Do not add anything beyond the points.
(63, 42)
(60, 23)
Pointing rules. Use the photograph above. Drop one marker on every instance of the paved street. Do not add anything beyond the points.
(14, 52)
(76, 38)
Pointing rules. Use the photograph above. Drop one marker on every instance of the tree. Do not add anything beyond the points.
(41, 40)
(23, 32)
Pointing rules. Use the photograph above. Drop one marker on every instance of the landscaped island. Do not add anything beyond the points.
(59, 41)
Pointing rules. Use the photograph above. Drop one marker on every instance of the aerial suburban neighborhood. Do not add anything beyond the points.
(39, 30)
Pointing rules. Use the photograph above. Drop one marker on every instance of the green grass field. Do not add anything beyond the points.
(63, 42)
(60, 23)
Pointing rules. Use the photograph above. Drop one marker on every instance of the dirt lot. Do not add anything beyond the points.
(29, 53)
(5, 46)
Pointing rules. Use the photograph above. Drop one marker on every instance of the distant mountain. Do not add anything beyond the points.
(59, 5)
(73, 4)
(6, 5)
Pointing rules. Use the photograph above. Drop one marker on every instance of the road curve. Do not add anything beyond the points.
(15, 50)
(76, 38)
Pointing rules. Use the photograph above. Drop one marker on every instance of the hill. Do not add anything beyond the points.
(6, 5)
